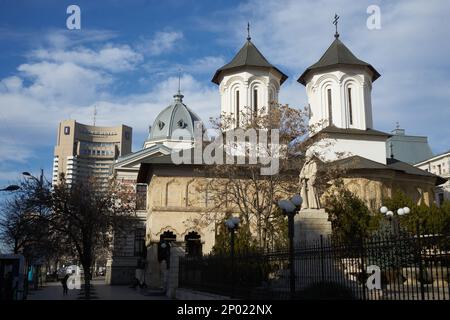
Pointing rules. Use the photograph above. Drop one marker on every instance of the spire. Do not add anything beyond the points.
(248, 32)
(179, 97)
(335, 22)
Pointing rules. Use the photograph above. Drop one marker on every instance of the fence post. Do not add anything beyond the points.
(322, 271)
(419, 242)
(363, 270)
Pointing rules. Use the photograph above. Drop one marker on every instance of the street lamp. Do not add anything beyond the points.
(232, 224)
(391, 216)
(290, 208)
(12, 187)
(40, 180)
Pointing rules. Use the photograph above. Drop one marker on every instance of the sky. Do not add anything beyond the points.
(126, 58)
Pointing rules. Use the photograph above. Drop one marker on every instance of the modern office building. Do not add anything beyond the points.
(84, 151)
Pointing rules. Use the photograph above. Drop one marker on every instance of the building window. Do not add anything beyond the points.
(237, 108)
(350, 107)
(127, 135)
(255, 102)
(330, 107)
(139, 242)
(439, 169)
(141, 197)
(66, 130)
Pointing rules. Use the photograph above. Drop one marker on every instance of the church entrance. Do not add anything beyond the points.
(165, 242)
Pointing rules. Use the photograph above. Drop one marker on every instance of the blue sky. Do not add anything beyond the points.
(126, 57)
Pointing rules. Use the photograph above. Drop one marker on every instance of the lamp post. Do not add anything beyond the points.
(41, 177)
(232, 224)
(290, 208)
(11, 188)
(395, 217)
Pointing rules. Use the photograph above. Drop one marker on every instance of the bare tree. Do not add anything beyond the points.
(87, 213)
(241, 189)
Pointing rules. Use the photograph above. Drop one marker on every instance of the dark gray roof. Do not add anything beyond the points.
(250, 56)
(358, 162)
(368, 132)
(338, 54)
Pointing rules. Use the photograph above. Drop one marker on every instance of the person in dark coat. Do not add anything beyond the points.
(64, 284)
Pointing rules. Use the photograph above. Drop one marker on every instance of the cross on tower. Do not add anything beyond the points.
(248, 31)
(335, 22)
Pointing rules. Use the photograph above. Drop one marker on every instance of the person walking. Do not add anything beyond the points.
(64, 284)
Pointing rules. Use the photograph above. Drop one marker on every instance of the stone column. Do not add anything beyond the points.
(172, 280)
(152, 276)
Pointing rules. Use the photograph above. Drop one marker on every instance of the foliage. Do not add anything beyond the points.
(429, 219)
(350, 217)
(391, 250)
(22, 227)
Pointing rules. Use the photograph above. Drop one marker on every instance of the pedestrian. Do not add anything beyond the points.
(64, 284)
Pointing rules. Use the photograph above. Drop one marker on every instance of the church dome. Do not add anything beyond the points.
(177, 116)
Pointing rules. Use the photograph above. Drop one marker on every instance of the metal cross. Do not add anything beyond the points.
(248, 31)
(179, 80)
(335, 22)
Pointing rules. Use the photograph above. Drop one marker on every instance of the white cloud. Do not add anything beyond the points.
(163, 41)
(111, 58)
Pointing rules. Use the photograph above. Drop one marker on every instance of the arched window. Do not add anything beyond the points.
(255, 102)
(237, 108)
(350, 107)
(330, 106)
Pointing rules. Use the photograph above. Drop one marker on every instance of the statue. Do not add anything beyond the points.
(309, 192)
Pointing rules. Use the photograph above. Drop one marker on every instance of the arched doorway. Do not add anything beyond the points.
(165, 242)
(193, 244)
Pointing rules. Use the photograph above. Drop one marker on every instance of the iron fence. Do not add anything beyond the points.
(408, 267)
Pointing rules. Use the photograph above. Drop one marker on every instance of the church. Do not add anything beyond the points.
(338, 87)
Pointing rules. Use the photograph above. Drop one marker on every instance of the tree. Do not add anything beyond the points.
(87, 213)
(23, 229)
(79, 219)
(429, 219)
(241, 189)
(350, 217)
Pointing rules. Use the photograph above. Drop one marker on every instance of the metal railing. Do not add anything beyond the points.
(407, 267)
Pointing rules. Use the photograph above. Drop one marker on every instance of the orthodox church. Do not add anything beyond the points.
(339, 89)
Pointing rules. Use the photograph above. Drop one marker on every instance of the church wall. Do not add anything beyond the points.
(179, 205)
(373, 187)
(332, 148)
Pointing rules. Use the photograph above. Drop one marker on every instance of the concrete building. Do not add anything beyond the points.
(84, 151)
(407, 148)
(439, 165)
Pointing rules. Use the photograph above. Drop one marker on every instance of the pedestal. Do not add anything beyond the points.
(309, 224)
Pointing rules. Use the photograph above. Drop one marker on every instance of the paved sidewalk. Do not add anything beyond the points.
(101, 291)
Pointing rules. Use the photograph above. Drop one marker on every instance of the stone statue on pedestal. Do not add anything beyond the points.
(308, 176)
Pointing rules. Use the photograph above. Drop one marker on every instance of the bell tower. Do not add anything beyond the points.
(249, 83)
